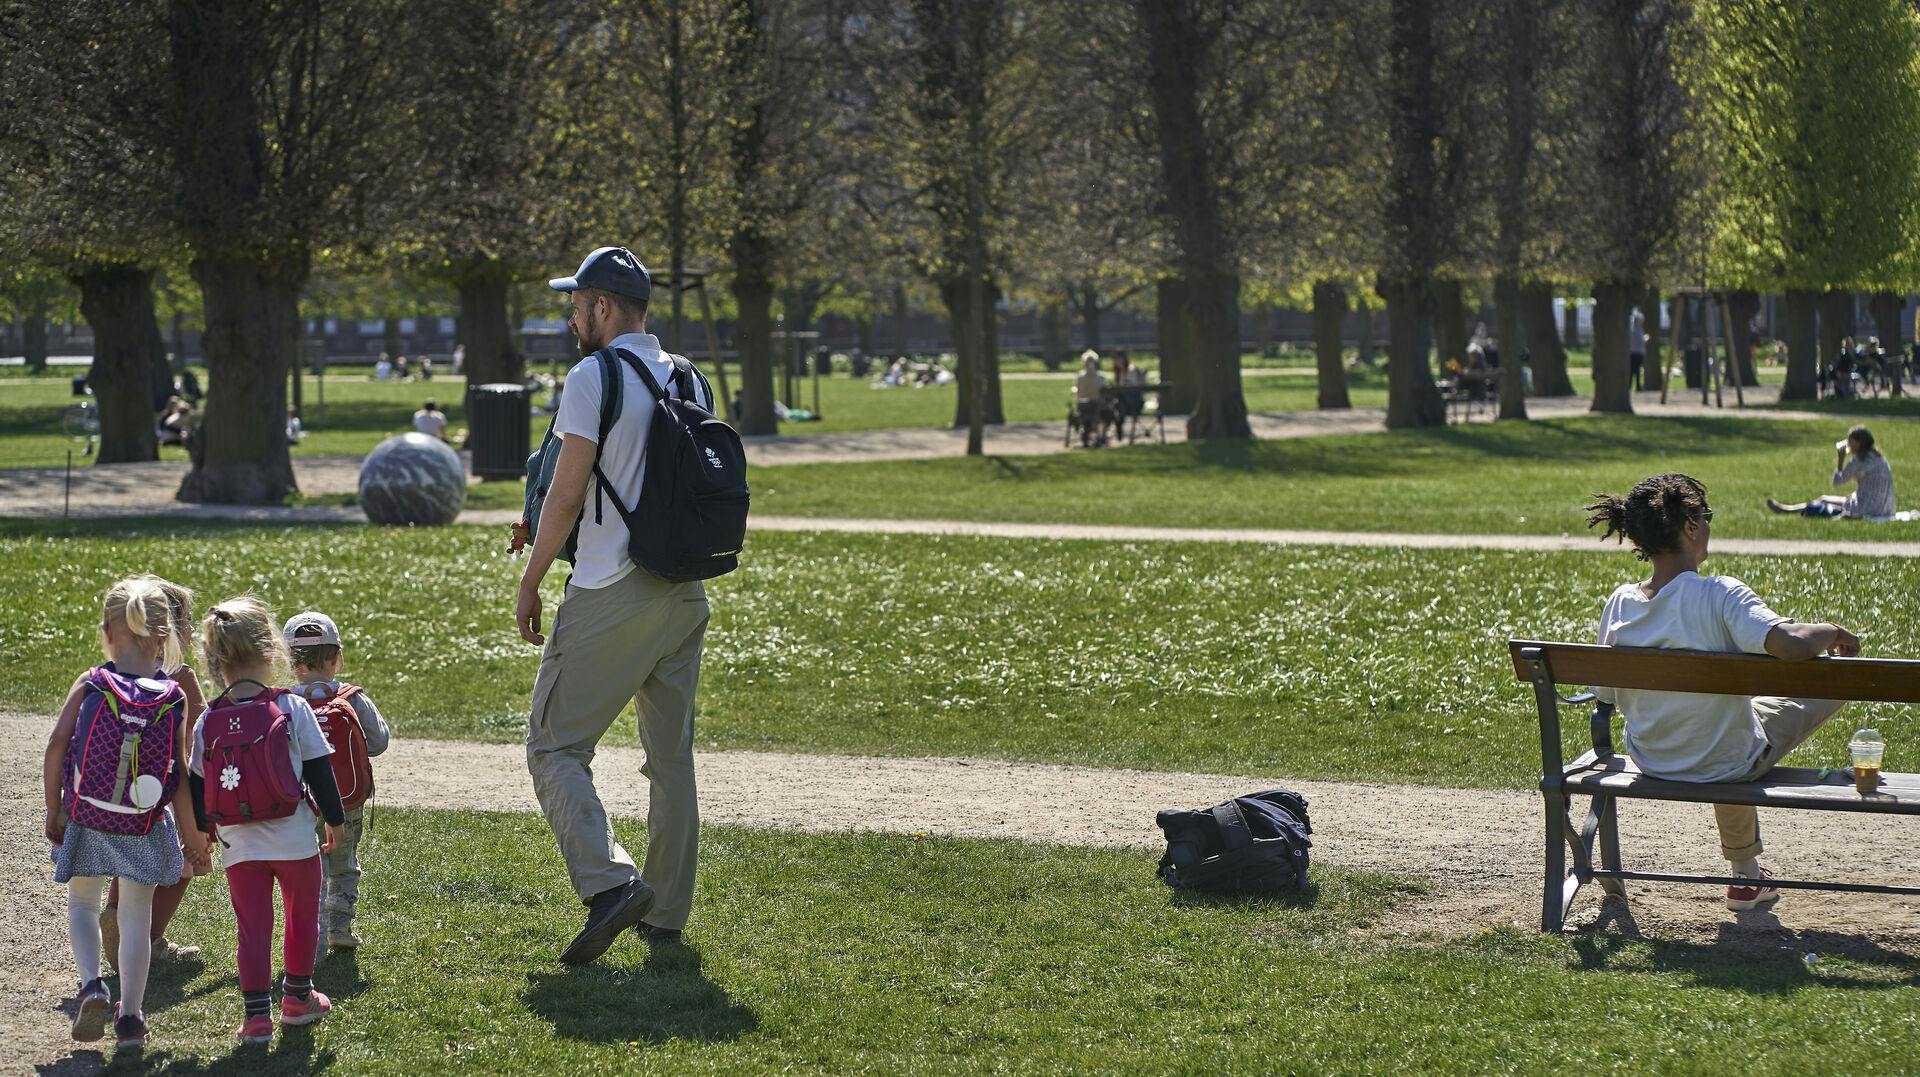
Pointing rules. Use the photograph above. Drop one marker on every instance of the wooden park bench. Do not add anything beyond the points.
(1607, 776)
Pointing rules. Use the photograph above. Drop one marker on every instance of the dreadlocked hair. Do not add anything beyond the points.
(1652, 515)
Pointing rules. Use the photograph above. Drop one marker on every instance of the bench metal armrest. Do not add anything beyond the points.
(1576, 700)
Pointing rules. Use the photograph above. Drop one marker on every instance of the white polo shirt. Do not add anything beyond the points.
(601, 557)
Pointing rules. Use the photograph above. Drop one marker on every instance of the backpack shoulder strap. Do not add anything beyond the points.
(1235, 834)
(646, 376)
(226, 694)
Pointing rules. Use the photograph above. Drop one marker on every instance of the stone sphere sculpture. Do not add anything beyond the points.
(413, 480)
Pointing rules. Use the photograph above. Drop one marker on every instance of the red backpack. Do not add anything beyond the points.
(250, 776)
(352, 766)
(119, 772)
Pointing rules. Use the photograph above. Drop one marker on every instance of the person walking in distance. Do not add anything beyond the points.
(620, 633)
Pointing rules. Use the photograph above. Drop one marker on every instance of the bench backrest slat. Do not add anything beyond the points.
(1888, 680)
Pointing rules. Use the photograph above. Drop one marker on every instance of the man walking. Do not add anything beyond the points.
(620, 633)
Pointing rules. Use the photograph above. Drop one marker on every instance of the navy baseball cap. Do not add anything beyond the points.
(610, 269)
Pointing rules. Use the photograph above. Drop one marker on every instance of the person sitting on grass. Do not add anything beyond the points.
(431, 421)
(1689, 737)
(1864, 466)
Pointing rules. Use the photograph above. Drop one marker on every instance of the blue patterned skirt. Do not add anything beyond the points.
(153, 858)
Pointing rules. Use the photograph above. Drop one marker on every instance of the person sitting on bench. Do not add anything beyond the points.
(1684, 736)
(1088, 401)
(1872, 497)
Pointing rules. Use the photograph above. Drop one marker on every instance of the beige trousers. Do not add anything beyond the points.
(1787, 723)
(636, 640)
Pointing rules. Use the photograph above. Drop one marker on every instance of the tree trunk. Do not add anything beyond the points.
(863, 334)
(1886, 308)
(1543, 342)
(1090, 314)
(1506, 332)
(491, 354)
(1053, 334)
(1570, 316)
(1329, 310)
(390, 339)
(253, 328)
(1412, 397)
(1612, 309)
(1176, 353)
(1797, 328)
(902, 339)
(1836, 324)
(33, 335)
(117, 301)
(1450, 322)
(180, 340)
(1212, 311)
(957, 294)
(1743, 305)
(1366, 332)
(753, 337)
(1654, 371)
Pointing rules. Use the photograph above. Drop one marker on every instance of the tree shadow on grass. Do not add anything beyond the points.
(667, 998)
(1304, 898)
(1755, 954)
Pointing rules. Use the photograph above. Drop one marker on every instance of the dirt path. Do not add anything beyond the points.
(1478, 850)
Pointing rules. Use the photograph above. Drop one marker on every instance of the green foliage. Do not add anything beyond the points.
(1812, 115)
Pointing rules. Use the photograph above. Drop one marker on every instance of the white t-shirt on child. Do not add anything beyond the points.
(291, 838)
(1689, 736)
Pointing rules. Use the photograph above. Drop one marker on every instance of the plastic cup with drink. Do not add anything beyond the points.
(1868, 749)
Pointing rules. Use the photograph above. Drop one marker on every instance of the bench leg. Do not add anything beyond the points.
(1610, 845)
(1559, 886)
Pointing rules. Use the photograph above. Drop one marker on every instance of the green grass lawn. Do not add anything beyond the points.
(891, 954)
(1522, 478)
(1308, 662)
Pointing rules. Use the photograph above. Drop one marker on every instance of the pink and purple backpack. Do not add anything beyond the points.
(119, 768)
(248, 765)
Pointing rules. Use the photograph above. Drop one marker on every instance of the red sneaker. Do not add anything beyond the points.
(304, 1011)
(1750, 897)
(256, 1029)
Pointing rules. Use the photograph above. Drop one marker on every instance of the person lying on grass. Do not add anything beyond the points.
(1872, 497)
(1682, 736)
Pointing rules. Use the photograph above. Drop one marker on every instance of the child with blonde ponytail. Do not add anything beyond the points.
(260, 768)
(166, 899)
(117, 807)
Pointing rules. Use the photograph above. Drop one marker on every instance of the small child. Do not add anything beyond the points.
(357, 732)
(166, 900)
(259, 791)
(116, 805)
(1683, 736)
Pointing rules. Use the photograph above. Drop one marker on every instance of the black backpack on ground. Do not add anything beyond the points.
(1248, 845)
(692, 517)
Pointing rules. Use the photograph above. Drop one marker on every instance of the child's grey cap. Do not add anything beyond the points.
(311, 629)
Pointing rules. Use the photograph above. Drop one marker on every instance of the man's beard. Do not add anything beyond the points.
(582, 338)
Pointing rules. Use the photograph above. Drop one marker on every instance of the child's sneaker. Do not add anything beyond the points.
(256, 1029)
(304, 1011)
(129, 1030)
(1741, 898)
(343, 938)
(90, 1018)
(165, 949)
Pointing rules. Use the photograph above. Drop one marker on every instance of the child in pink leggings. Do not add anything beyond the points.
(234, 785)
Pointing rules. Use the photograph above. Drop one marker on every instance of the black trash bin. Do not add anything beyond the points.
(497, 430)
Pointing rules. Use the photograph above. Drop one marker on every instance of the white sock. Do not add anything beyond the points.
(83, 925)
(1748, 868)
(136, 950)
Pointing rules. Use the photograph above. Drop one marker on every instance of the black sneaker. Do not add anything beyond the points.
(130, 1031)
(608, 914)
(95, 1009)
(657, 936)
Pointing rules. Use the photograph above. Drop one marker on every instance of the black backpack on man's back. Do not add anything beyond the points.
(1248, 845)
(692, 517)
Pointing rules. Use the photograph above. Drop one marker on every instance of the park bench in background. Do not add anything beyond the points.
(1467, 392)
(1607, 776)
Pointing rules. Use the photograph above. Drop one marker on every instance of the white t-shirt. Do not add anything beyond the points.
(293, 837)
(431, 423)
(601, 556)
(1086, 388)
(1689, 736)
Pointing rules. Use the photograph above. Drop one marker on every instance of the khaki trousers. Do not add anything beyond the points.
(1787, 723)
(637, 639)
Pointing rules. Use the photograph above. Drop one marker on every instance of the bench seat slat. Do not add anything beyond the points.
(1783, 787)
(1885, 680)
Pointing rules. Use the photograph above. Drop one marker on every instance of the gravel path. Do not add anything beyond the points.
(1478, 851)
